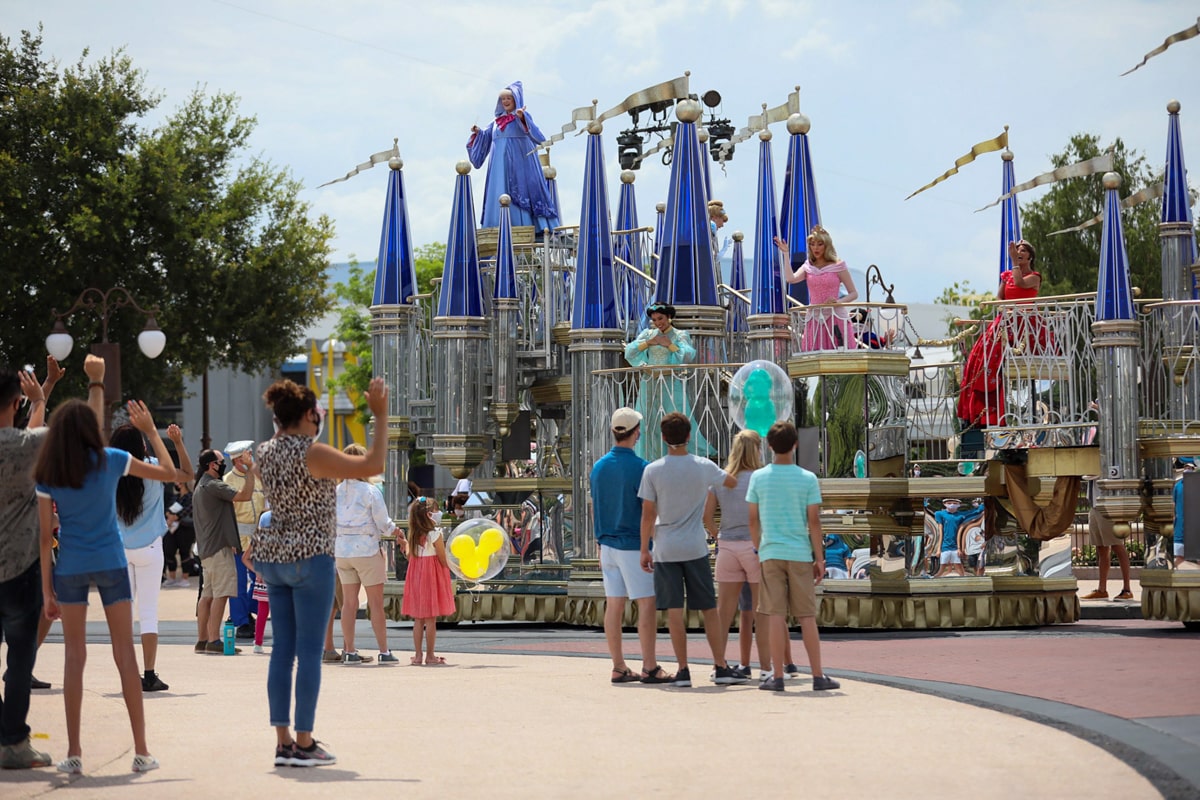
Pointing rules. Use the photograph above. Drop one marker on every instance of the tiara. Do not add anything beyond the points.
(818, 229)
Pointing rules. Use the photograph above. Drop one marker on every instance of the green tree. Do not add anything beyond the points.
(428, 262)
(179, 215)
(1069, 262)
(353, 330)
(963, 294)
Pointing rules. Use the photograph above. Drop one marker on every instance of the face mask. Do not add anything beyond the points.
(222, 469)
(952, 507)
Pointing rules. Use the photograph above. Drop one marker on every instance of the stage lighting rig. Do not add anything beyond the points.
(720, 129)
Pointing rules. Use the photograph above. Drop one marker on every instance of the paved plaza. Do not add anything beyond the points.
(1103, 708)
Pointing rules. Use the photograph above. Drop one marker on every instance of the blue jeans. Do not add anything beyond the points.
(20, 607)
(301, 597)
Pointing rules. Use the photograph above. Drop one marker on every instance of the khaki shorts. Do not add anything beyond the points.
(220, 574)
(787, 588)
(365, 570)
(1101, 529)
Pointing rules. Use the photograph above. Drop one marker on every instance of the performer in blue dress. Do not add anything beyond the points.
(514, 169)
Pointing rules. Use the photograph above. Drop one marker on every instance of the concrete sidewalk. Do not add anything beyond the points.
(515, 715)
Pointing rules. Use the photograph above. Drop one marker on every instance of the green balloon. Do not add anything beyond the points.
(760, 408)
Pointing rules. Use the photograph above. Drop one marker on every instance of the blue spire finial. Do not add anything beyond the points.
(462, 292)
(766, 290)
(629, 249)
(395, 276)
(595, 284)
(800, 211)
(1114, 298)
(737, 282)
(686, 272)
(1010, 214)
(506, 273)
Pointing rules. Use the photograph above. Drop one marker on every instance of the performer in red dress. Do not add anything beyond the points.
(981, 398)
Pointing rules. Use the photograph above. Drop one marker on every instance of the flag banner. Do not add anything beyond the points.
(1079, 169)
(376, 158)
(1174, 38)
(989, 146)
(1137, 198)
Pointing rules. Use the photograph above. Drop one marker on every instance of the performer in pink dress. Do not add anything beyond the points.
(826, 328)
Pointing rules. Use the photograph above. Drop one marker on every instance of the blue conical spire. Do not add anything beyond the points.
(629, 248)
(395, 276)
(1175, 203)
(737, 281)
(800, 211)
(462, 292)
(766, 289)
(1010, 220)
(595, 285)
(660, 221)
(506, 273)
(686, 274)
(1114, 298)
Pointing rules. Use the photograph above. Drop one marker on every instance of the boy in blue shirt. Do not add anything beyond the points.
(785, 526)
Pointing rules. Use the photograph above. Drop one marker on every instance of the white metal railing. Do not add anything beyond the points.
(841, 326)
(1170, 368)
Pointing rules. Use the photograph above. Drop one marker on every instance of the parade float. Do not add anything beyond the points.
(508, 371)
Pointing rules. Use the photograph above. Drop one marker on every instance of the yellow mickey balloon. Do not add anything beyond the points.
(474, 567)
(490, 541)
(462, 546)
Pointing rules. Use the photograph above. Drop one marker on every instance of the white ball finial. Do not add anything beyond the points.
(627, 176)
(395, 163)
(798, 123)
(505, 200)
(688, 111)
(463, 167)
(764, 136)
(595, 127)
(1173, 107)
(1112, 180)
(738, 236)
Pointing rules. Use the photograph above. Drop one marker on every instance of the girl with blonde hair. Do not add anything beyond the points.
(737, 560)
(825, 275)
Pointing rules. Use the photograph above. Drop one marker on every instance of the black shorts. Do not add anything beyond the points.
(672, 578)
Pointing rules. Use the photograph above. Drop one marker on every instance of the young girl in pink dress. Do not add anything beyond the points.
(825, 274)
(428, 593)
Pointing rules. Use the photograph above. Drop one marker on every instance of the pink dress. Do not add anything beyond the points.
(428, 591)
(826, 328)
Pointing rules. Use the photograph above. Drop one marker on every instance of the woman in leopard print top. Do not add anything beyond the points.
(295, 555)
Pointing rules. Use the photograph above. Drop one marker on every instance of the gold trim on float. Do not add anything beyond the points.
(1171, 594)
(1168, 446)
(1049, 462)
(522, 485)
(551, 390)
(847, 362)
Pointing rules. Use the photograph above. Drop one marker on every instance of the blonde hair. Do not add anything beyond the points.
(354, 450)
(746, 454)
(819, 234)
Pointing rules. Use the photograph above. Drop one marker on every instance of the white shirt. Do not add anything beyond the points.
(362, 519)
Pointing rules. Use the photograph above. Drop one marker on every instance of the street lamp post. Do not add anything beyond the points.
(151, 340)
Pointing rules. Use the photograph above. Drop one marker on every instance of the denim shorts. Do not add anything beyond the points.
(113, 585)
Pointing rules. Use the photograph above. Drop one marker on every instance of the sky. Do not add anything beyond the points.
(896, 91)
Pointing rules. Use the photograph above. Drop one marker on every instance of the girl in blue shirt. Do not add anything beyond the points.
(79, 475)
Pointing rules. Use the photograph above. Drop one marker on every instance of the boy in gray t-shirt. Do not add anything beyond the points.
(673, 491)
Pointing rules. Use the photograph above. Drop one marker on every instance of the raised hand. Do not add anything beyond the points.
(377, 398)
(139, 417)
(30, 387)
(94, 367)
(54, 372)
(174, 433)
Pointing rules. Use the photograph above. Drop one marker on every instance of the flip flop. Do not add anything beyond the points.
(624, 676)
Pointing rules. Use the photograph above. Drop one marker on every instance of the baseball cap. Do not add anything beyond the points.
(625, 419)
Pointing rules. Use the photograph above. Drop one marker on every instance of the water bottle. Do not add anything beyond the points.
(230, 634)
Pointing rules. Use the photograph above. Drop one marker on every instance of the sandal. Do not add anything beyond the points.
(624, 675)
(657, 675)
